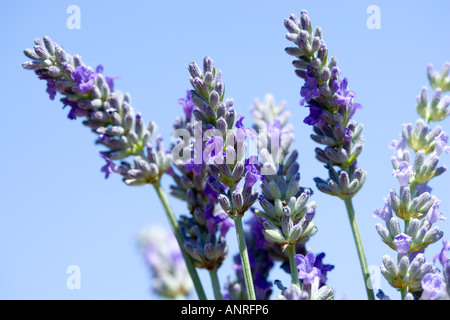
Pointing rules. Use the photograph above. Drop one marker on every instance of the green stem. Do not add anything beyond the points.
(293, 265)
(359, 247)
(403, 292)
(180, 239)
(215, 284)
(244, 258)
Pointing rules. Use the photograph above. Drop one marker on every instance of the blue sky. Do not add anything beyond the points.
(56, 209)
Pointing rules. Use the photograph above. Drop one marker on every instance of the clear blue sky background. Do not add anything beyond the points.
(56, 209)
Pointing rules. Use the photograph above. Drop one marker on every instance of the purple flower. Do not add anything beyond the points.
(324, 268)
(385, 212)
(242, 132)
(255, 231)
(109, 167)
(239, 123)
(214, 150)
(51, 88)
(309, 89)
(187, 104)
(403, 173)
(195, 168)
(306, 269)
(434, 214)
(443, 255)
(422, 187)
(315, 115)
(345, 96)
(263, 288)
(402, 242)
(84, 78)
(213, 188)
(253, 173)
(109, 80)
(382, 296)
(75, 111)
(433, 287)
(219, 221)
(441, 144)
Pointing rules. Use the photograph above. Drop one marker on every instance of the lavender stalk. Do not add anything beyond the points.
(206, 227)
(415, 164)
(331, 107)
(224, 153)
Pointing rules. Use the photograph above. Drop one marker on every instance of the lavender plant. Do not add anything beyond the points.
(220, 178)
(331, 108)
(415, 163)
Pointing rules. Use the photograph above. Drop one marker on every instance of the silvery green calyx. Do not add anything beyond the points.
(439, 79)
(294, 292)
(91, 95)
(435, 110)
(288, 233)
(419, 234)
(407, 273)
(163, 256)
(331, 106)
(343, 183)
(207, 250)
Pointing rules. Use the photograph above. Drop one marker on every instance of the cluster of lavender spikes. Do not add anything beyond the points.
(285, 220)
(414, 204)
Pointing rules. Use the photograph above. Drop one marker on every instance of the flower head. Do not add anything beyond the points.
(443, 255)
(309, 91)
(403, 173)
(402, 242)
(84, 78)
(434, 214)
(315, 115)
(433, 287)
(306, 269)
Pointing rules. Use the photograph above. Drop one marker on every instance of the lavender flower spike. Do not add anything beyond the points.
(415, 164)
(107, 113)
(332, 108)
(233, 172)
(331, 105)
(207, 225)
